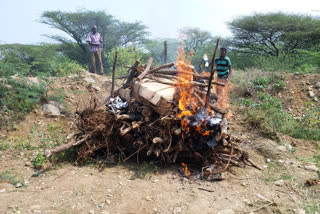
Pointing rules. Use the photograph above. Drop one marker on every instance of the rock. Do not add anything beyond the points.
(110, 195)
(279, 183)
(282, 148)
(121, 183)
(51, 110)
(177, 210)
(309, 89)
(18, 185)
(299, 211)
(35, 207)
(312, 168)
(2, 190)
(317, 85)
(91, 212)
(57, 104)
(227, 211)
(89, 80)
(148, 198)
(310, 94)
(108, 202)
(268, 160)
(97, 88)
(104, 212)
(28, 163)
(315, 99)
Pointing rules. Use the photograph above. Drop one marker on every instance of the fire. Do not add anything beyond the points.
(186, 171)
(191, 109)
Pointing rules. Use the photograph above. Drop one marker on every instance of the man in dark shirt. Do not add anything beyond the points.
(223, 66)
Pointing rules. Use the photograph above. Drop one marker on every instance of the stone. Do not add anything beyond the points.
(317, 85)
(299, 211)
(177, 210)
(279, 183)
(312, 168)
(148, 198)
(35, 207)
(110, 195)
(18, 185)
(89, 80)
(310, 94)
(91, 212)
(315, 99)
(28, 163)
(226, 211)
(51, 110)
(282, 148)
(268, 160)
(108, 202)
(97, 88)
(2, 190)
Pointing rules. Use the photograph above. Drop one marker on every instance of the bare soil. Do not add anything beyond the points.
(65, 188)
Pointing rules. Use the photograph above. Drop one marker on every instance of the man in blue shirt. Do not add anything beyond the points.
(223, 66)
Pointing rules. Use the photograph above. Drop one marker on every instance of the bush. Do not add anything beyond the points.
(35, 60)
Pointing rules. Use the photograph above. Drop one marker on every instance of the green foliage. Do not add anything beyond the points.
(35, 60)
(275, 33)
(126, 56)
(17, 98)
(38, 161)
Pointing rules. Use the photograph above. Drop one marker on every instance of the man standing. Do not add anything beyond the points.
(95, 47)
(223, 66)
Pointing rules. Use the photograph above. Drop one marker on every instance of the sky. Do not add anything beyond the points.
(19, 19)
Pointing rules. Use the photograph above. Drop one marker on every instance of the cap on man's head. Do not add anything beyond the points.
(94, 27)
(223, 49)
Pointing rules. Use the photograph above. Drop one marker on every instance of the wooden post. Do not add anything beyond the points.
(113, 73)
(165, 52)
(212, 72)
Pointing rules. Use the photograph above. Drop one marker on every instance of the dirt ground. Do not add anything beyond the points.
(65, 188)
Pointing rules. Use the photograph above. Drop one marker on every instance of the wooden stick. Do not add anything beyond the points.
(212, 95)
(113, 73)
(199, 99)
(165, 52)
(217, 109)
(161, 67)
(195, 76)
(132, 73)
(145, 72)
(212, 71)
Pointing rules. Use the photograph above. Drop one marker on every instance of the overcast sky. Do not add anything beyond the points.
(19, 19)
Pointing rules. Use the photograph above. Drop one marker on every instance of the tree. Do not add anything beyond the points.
(77, 25)
(273, 34)
(195, 38)
(156, 49)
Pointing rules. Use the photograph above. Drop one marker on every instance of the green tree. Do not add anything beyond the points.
(273, 34)
(77, 25)
(126, 56)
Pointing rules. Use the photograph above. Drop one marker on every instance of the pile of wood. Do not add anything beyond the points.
(150, 128)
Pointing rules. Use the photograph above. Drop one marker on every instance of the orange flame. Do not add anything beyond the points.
(189, 104)
(186, 171)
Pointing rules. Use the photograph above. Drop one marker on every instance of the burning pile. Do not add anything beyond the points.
(164, 114)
